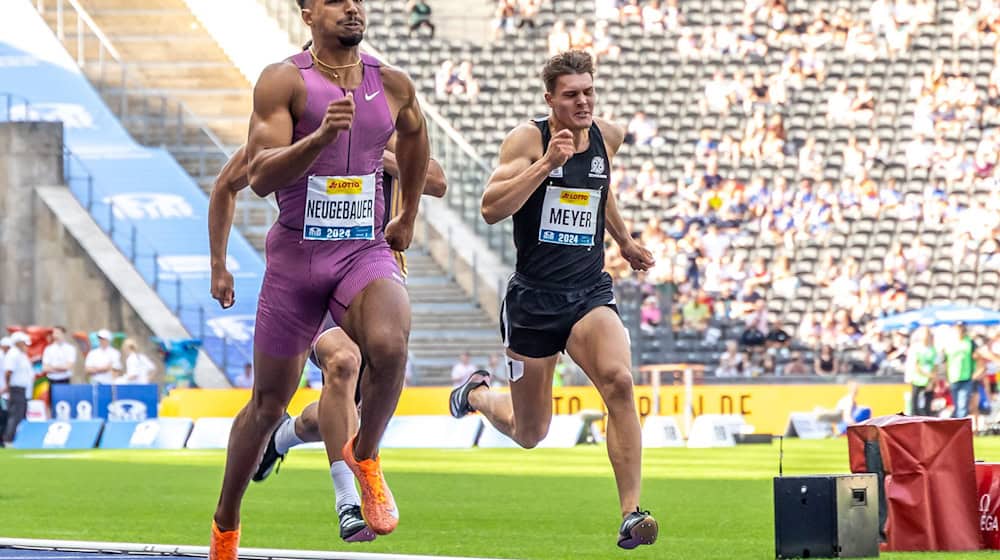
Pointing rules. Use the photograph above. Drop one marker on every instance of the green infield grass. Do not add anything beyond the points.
(539, 504)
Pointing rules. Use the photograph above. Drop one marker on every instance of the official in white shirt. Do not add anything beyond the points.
(139, 368)
(5, 345)
(20, 380)
(59, 358)
(104, 361)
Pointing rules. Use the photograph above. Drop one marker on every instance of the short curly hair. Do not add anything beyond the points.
(564, 64)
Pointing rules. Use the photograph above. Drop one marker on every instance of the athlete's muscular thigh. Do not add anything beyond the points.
(290, 309)
(599, 344)
(531, 394)
(277, 379)
(378, 319)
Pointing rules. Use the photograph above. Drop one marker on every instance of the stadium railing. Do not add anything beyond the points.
(157, 119)
(177, 128)
(124, 234)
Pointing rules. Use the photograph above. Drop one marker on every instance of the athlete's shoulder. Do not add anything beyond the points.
(525, 131)
(279, 76)
(279, 85)
(614, 134)
(396, 81)
(283, 68)
(524, 139)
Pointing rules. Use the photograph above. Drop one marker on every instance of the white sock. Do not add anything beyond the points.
(286, 438)
(343, 485)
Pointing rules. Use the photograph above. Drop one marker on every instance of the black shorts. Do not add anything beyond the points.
(536, 319)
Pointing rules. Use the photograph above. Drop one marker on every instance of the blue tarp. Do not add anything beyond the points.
(147, 187)
(939, 315)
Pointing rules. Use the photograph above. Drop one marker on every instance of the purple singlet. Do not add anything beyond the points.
(328, 243)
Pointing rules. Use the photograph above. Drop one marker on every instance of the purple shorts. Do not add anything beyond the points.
(305, 280)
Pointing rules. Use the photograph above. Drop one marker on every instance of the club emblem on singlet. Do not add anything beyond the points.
(597, 168)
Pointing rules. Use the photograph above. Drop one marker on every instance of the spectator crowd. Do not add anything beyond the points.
(730, 229)
(711, 220)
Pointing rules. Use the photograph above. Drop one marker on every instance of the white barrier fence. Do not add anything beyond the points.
(406, 432)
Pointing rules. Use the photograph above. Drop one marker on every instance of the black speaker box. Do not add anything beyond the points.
(826, 516)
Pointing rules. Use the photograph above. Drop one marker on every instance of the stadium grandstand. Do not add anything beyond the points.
(817, 181)
(806, 173)
(803, 174)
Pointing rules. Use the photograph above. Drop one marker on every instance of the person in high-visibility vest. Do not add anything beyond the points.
(922, 361)
(961, 365)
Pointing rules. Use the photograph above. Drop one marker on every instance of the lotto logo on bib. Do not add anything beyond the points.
(575, 197)
(569, 217)
(343, 186)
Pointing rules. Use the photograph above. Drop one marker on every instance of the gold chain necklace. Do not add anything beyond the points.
(332, 70)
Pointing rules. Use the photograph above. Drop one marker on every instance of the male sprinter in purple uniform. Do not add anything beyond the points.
(553, 179)
(321, 121)
(333, 351)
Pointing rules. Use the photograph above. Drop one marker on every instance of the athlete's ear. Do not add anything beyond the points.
(548, 98)
(307, 16)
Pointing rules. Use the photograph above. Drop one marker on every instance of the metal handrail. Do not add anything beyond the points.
(185, 116)
(129, 244)
(84, 18)
(158, 281)
(10, 98)
(208, 147)
(430, 111)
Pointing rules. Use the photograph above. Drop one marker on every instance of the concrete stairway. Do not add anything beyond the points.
(445, 323)
(171, 54)
(170, 59)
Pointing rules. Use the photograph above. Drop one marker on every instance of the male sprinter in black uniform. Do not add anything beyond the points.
(553, 179)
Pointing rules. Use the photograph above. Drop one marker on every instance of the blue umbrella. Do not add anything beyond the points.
(936, 315)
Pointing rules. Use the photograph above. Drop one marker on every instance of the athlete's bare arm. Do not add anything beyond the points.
(436, 184)
(412, 155)
(637, 256)
(522, 168)
(221, 208)
(614, 135)
(275, 162)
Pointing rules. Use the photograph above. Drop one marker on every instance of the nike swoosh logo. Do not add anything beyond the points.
(370, 96)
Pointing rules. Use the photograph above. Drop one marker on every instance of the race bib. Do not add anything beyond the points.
(340, 208)
(569, 216)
